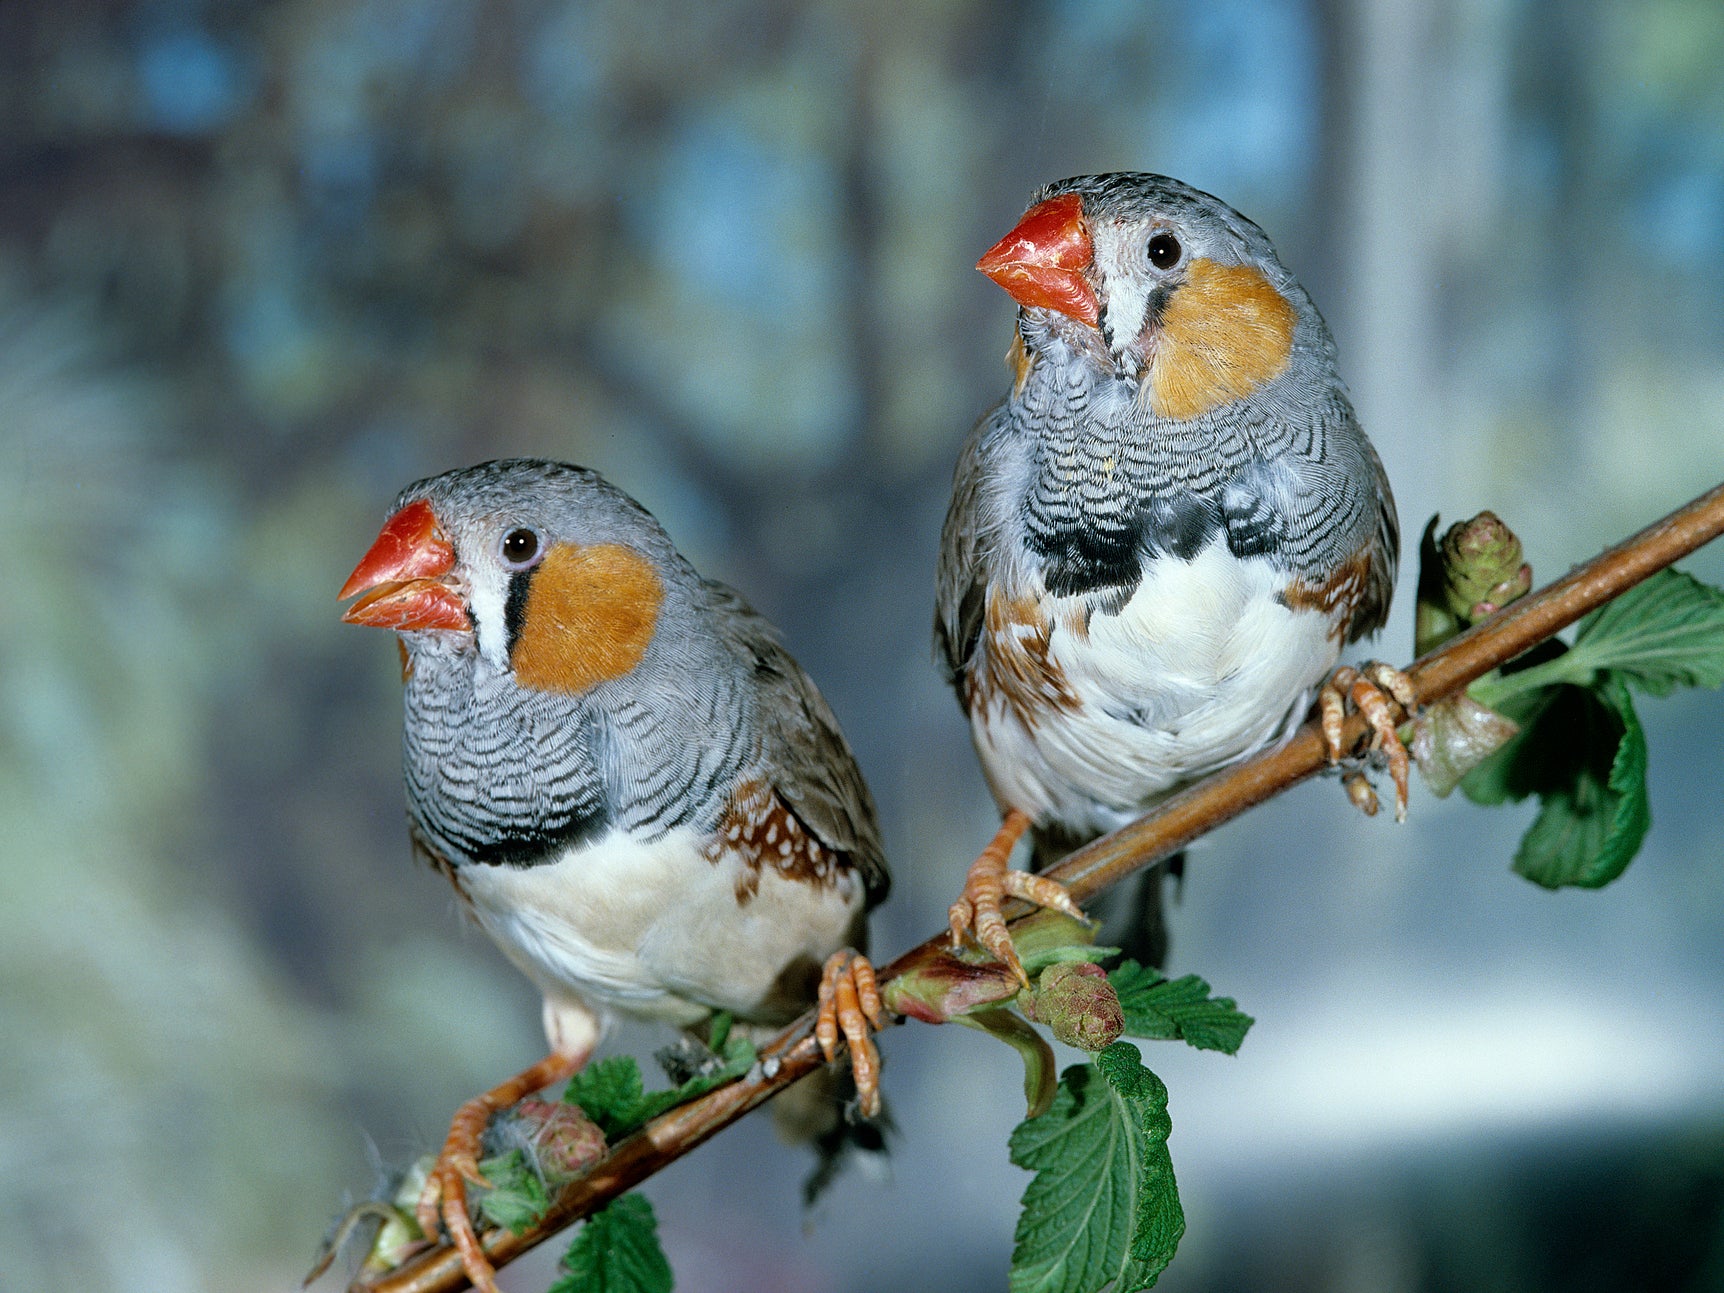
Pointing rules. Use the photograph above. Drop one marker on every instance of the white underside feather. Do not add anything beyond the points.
(1202, 667)
(655, 930)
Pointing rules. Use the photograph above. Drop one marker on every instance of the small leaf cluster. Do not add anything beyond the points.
(613, 1095)
(617, 1248)
(1581, 748)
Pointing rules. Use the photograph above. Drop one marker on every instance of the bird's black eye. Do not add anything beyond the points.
(520, 547)
(1164, 251)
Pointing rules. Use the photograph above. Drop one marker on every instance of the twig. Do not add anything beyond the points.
(1173, 825)
(1523, 624)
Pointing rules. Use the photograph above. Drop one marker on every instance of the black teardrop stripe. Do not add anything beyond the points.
(1155, 309)
(515, 607)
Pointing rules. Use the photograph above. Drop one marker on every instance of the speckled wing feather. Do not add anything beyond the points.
(1373, 608)
(808, 761)
(966, 559)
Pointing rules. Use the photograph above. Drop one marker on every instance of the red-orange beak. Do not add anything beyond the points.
(401, 577)
(1041, 262)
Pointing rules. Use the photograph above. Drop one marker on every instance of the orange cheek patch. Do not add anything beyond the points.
(1226, 331)
(590, 614)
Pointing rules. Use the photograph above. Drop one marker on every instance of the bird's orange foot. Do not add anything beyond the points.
(444, 1198)
(849, 1003)
(990, 881)
(1371, 690)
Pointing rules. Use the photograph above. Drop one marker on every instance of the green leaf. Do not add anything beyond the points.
(1512, 772)
(617, 1251)
(1163, 1009)
(610, 1092)
(1589, 829)
(517, 1197)
(1581, 750)
(1159, 1218)
(1665, 632)
(1103, 1209)
(737, 1057)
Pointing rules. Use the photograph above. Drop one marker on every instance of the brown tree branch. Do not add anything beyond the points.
(1172, 826)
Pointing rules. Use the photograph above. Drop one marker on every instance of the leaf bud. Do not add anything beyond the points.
(1078, 1004)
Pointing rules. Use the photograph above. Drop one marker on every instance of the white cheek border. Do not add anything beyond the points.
(1127, 304)
(487, 596)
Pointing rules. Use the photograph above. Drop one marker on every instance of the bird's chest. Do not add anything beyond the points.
(499, 776)
(1099, 499)
(1086, 713)
(669, 928)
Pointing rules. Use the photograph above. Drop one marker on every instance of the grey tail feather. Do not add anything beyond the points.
(820, 1111)
(850, 1141)
(1133, 915)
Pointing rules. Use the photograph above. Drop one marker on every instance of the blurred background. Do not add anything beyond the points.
(260, 265)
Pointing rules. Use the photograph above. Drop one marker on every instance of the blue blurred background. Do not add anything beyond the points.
(260, 265)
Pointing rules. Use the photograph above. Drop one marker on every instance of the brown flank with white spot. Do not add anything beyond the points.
(765, 834)
(1017, 665)
(1336, 597)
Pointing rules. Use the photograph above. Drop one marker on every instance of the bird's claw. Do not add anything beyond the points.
(1370, 689)
(1360, 791)
(990, 881)
(849, 1004)
(443, 1201)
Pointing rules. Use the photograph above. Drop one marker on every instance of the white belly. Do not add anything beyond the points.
(1202, 667)
(657, 930)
